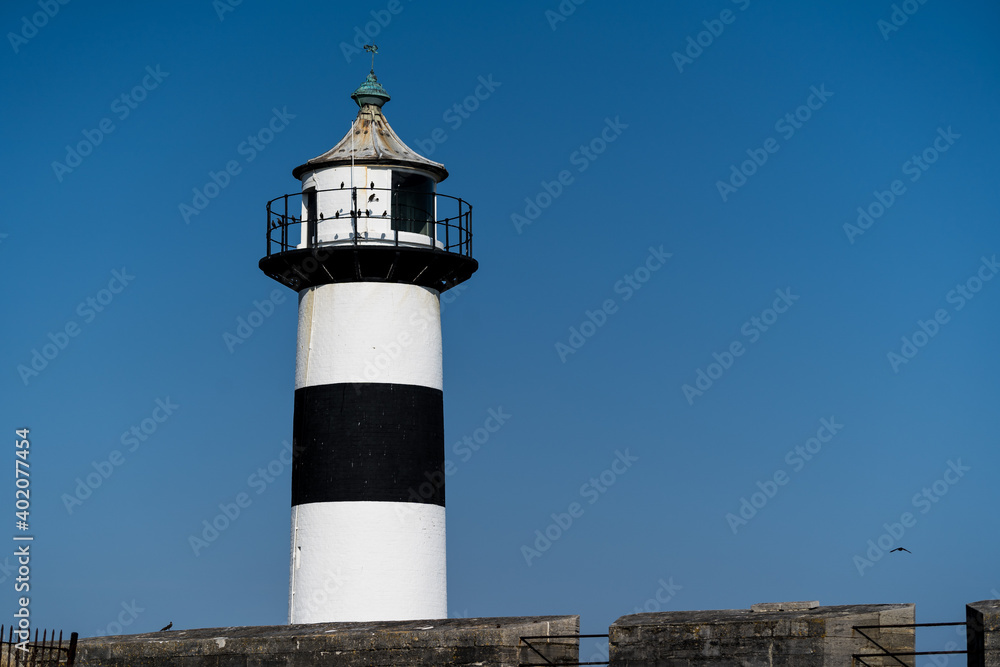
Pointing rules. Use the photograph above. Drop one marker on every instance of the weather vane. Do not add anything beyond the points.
(373, 49)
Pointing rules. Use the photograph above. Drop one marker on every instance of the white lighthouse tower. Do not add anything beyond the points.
(369, 245)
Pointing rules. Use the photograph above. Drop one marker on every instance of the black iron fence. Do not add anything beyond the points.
(883, 652)
(49, 652)
(295, 220)
(545, 652)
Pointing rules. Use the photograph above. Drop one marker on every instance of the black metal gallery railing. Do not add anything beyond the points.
(429, 219)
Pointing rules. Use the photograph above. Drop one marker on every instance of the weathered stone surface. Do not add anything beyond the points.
(820, 637)
(784, 606)
(441, 642)
(983, 633)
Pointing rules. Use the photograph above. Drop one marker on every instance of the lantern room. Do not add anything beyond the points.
(369, 191)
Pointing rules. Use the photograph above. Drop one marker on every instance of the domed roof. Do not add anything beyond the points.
(371, 139)
(370, 92)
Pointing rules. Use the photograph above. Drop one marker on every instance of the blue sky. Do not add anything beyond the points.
(745, 158)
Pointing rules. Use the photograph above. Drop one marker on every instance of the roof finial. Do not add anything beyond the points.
(373, 49)
(371, 91)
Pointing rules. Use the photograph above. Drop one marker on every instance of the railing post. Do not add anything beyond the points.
(354, 213)
(466, 235)
(393, 223)
(284, 227)
(462, 234)
(434, 225)
(71, 654)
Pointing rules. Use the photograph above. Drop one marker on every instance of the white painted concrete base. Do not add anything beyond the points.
(367, 561)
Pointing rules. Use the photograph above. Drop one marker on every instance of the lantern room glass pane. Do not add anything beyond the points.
(412, 202)
(309, 214)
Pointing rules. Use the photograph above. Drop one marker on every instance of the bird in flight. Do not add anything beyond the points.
(169, 625)
(901, 549)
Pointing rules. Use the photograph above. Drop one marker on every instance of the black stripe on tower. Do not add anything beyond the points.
(368, 441)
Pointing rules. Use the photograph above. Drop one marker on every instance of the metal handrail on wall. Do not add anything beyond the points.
(894, 654)
(549, 662)
(457, 227)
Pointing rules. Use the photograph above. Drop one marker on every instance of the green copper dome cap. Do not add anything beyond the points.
(370, 92)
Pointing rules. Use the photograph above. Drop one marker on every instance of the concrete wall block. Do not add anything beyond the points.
(838, 651)
(445, 642)
(843, 626)
(897, 614)
(266, 661)
(821, 636)
(802, 628)
(983, 626)
(756, 629)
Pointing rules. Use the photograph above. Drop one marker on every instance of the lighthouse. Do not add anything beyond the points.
(369, 245)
